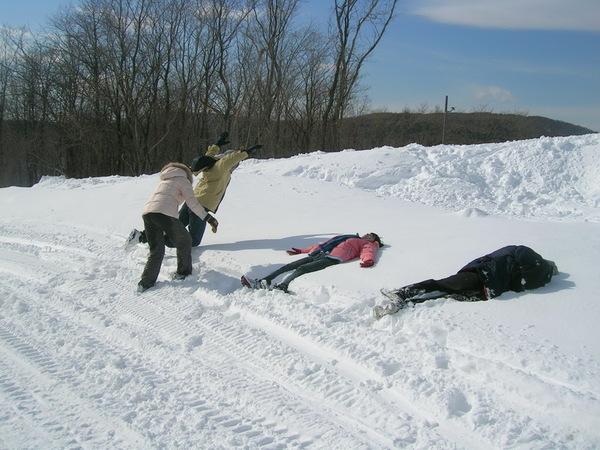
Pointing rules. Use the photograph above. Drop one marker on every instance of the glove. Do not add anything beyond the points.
(212, 222)
(252, 149)
(294, 251)
(222, 140)
(367, 263)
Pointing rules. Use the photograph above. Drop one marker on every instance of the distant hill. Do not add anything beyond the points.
(399, 129)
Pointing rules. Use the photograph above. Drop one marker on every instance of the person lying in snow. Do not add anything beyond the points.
(336, 250)
(512, 268)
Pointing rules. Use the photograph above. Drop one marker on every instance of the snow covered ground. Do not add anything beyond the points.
(87, 362)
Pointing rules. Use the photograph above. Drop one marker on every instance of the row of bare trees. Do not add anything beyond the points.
(123, 86)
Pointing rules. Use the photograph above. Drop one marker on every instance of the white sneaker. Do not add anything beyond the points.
(380, 311)
(392, 295)
(134, 238)
(249, 282)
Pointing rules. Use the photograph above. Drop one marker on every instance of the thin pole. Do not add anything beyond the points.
(444, 127)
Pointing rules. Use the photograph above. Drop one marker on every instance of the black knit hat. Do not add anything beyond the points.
(377, 239)
(202, 162)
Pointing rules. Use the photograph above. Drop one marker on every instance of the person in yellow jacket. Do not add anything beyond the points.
(216, 168)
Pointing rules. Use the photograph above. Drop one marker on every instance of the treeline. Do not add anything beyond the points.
(427, 128)
(124, 86)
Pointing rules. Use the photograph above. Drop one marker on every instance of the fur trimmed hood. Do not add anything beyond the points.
(172, 170)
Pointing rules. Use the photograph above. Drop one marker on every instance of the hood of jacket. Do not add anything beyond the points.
(173, 170)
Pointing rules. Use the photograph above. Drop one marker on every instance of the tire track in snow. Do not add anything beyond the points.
(347, 398)
(255, 377)
(27, 390)
(422, 367)
(267, 433)
(216, 412)
(368, 393)
(251, 374)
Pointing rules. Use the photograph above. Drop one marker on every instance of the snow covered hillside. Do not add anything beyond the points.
(87, 362)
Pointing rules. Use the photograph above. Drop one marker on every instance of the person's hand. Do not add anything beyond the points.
(294, 251)
(222, 139)
(252, 149)
(367, 263)
(212, 222)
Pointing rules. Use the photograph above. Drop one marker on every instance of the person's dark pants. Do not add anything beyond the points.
(303, 266)
(195, 224)
(158, 225)
(460, 283)
(467, 283)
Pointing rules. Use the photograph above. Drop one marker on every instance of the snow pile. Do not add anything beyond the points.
(87, 362)
(548, 178)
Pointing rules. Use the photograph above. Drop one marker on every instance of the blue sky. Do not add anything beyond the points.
(538, 57)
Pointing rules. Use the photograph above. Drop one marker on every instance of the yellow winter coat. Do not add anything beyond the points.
(210, 189)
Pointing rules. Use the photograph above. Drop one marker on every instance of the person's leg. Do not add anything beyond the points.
(155, 237)
(461, 282)
(184, 215)
(288, 267)
(468, 283)
(180, 237)
(184, 212)
(196, 227)
(319, 263)
(415, 289)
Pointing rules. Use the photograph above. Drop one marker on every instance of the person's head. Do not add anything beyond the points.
(374, 237)
(201, 163)
(186, 169)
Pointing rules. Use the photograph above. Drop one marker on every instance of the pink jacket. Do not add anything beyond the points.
(175, 187)
(364, 249)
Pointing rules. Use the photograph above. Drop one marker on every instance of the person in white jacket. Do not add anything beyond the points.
(161, 217)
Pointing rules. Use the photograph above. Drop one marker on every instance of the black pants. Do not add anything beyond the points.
(467, 283)
(302, 267)
(158, 225)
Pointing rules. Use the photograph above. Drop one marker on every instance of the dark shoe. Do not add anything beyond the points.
(179, 276)
(141, 288)
(281, 287)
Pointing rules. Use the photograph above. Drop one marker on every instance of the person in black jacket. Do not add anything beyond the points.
(512, 268)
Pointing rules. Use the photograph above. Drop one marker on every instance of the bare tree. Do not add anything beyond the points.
(10, 42)
(278, 43)
(358, 28)
(122, 86)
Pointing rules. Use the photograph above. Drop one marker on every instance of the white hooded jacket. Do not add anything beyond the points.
(175, 187)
